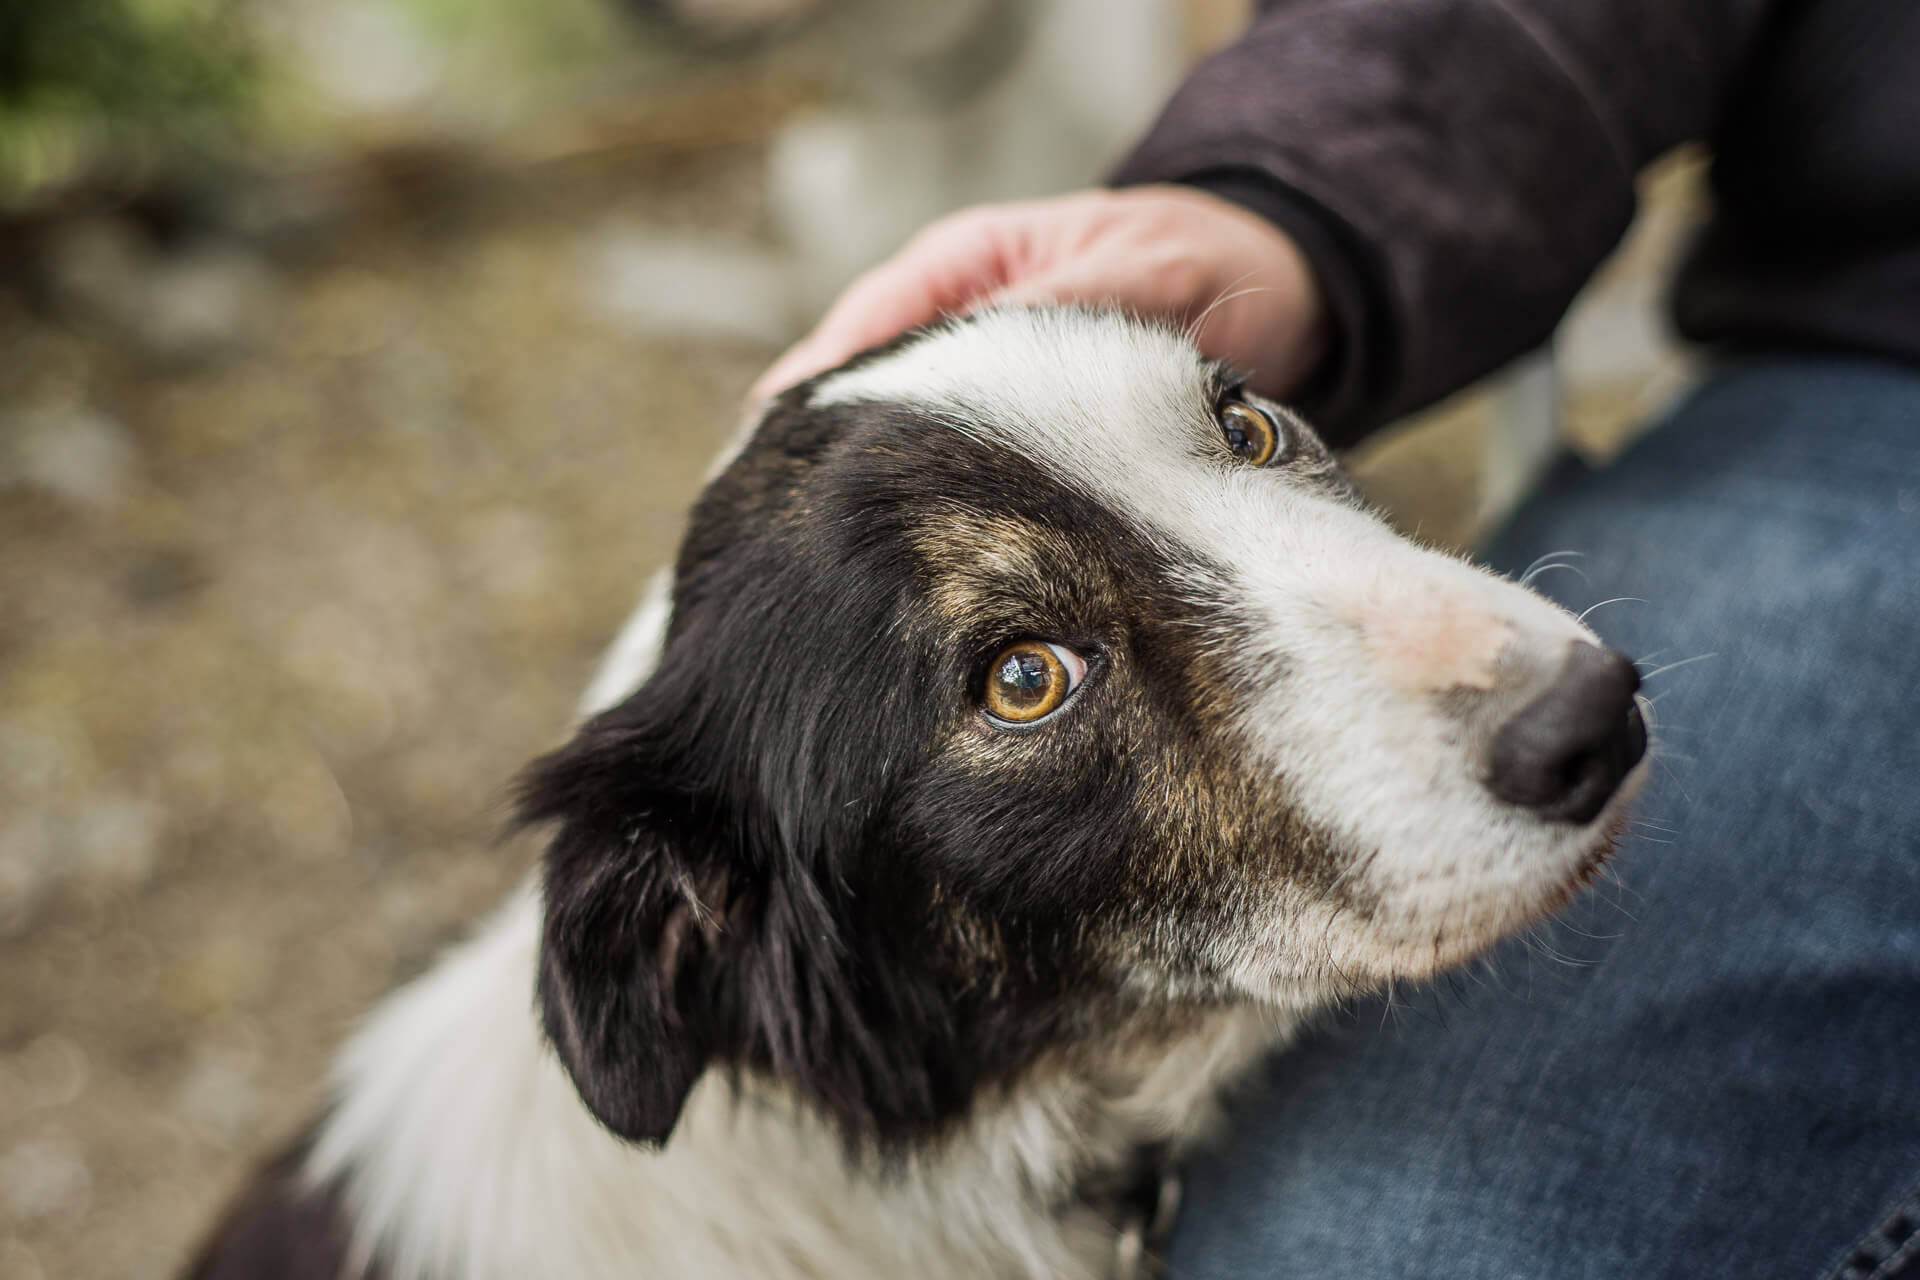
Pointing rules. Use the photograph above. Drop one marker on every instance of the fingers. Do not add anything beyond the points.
(943, 269)
(798, 363)
(874, 309)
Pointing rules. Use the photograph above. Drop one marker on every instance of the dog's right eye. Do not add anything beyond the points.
(1029, 681)
(1250, 434)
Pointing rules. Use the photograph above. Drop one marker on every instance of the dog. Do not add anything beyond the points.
(1036, 729)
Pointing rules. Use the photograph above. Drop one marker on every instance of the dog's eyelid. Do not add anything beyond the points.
(1226, 385)
(1076, 655)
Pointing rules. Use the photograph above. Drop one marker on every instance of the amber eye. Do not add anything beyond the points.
(1030, 679)
(1250, 433)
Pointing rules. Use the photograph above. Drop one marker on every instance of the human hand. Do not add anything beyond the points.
(1169, 251)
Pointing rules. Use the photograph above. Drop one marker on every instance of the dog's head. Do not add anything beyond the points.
(1027, 677)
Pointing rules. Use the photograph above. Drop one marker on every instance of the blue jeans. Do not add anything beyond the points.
(1710, 1067)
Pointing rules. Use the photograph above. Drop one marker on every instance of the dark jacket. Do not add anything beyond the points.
(1455, 169)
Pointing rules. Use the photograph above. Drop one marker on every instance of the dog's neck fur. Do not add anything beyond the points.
(462, 1149)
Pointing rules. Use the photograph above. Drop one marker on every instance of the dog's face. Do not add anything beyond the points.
(1027, 680)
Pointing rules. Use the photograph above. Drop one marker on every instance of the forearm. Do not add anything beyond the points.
(1454, 168)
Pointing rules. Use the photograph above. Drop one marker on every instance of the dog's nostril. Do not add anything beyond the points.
(1566, 752)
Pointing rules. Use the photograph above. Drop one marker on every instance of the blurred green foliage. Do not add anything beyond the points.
(81, 80)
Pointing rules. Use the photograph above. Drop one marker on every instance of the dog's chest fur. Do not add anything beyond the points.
(462, 1150)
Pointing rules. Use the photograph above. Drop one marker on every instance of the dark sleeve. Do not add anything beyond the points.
(1454, 169)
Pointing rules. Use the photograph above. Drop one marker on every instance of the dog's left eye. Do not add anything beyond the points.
(1030, 679)
(1252, 436)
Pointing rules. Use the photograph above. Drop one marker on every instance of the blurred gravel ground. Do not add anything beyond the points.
(276, 631)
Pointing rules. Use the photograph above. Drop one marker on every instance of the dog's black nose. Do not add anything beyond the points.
(1565, 753)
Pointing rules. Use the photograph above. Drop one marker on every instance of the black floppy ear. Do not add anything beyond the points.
(698, 908)
(634, 915)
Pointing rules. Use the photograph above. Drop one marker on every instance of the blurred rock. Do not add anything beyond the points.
(412, 386)
(112, 842)
(39, 763)
(26, 872)
(45, 1177)
(51, 1071)
(219, 1098)
(364, 56)
(507, 553)
(181, 305)
(95, 264)
(203, 304)
(688, 287)
(72, 452)
(105, 844)
(37, 756)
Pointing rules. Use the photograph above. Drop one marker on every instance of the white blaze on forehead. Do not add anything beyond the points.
(1366, 625)
(1113, 407)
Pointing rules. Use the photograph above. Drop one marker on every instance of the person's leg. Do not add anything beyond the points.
(1711, 1067)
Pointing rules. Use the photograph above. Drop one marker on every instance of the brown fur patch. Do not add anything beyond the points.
(985, 564)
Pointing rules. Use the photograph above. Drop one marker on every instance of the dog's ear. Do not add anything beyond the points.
(682, 928)
(708, 835)
(636, 899)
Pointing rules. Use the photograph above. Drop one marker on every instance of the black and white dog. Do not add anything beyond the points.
(1036, 729)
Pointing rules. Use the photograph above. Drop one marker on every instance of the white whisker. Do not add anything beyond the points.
(1546, 569)
(1225, 296)
(1662, 761)
(1542, 562)
(1675, 666)
(1604, 603)
(1573, 928)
